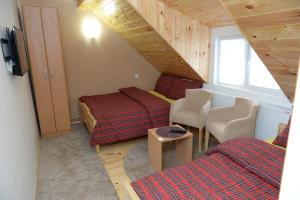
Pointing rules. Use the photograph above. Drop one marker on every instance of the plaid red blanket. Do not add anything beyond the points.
(218, 176)
(157, 109)
(255, 155)
(121, 117)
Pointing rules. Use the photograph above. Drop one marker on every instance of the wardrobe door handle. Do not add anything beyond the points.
(45, 73)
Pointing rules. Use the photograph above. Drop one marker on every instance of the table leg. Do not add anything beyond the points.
(184, 149)
(155, 152)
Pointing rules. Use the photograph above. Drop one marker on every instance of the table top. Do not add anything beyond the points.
(165, 139)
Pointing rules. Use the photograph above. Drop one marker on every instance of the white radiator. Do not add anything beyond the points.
(268, 118)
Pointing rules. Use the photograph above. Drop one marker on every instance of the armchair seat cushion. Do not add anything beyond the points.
(218, 128)
(190, 118)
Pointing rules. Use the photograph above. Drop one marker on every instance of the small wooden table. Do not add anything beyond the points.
(184, 147)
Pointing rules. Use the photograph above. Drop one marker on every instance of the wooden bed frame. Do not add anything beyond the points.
(88, 119)
(130, 194)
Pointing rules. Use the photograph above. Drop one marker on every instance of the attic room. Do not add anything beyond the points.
(149, 99)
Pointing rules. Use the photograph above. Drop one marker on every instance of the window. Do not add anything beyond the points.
(258, 73)
(237, 65)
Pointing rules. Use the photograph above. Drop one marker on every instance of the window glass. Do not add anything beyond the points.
(239, 65)
(258, 73)
(232, 61)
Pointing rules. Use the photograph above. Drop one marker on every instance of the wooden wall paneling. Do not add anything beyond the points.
(204, 50)
(56, 68)
(209, 12)
(180, 31)
(166, 23)
(39, 68)
(188, 40)
(273, 29)
(143, 37)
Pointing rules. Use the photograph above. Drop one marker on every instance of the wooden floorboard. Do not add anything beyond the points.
(112, 157)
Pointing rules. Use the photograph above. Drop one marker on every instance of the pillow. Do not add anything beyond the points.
(281, 139)
(164, 84)
(177, 90)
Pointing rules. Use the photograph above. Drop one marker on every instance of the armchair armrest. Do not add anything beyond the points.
(221, 114)
(243, 127)
(176, 106)
(204, 112)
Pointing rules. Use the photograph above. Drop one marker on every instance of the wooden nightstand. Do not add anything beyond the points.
(184, 147)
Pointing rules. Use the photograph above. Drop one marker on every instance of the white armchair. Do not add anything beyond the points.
(192, 110)
(226, 123)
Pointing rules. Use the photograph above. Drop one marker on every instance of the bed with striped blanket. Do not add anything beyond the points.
(125, 115)
(243, 168)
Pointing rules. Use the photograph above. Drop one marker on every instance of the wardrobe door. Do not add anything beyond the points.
(56, 68)
(39, 69)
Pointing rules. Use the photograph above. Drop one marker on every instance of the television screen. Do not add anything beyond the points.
(18, 52)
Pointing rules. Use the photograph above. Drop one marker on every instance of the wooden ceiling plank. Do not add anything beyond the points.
(249, 8)
(271, 19)
(209, 12)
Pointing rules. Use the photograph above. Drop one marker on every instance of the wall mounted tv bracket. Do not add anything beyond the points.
(5, 47)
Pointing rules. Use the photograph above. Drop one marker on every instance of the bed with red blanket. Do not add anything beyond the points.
(125, 115)
(130, 112)
(243, 168)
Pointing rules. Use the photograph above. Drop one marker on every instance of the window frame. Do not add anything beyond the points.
(246, 85)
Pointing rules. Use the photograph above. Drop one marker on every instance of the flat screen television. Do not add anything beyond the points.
(18, 51)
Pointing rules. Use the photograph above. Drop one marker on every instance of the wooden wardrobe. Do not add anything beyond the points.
(47, 68)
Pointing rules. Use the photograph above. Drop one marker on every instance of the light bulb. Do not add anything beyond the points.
(91, 28)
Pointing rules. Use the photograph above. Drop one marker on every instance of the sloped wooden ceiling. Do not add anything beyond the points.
(271, 26)
(143, 37)
(273, 29)
(210, 12)
(188, 37)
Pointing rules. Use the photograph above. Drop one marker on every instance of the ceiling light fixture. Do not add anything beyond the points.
(91, 28)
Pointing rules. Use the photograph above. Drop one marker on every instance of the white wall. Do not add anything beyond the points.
(289, 189)
(19, 141)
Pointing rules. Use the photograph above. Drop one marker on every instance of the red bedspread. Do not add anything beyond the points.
(157, 109)
(239, 169)
(125, 115)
